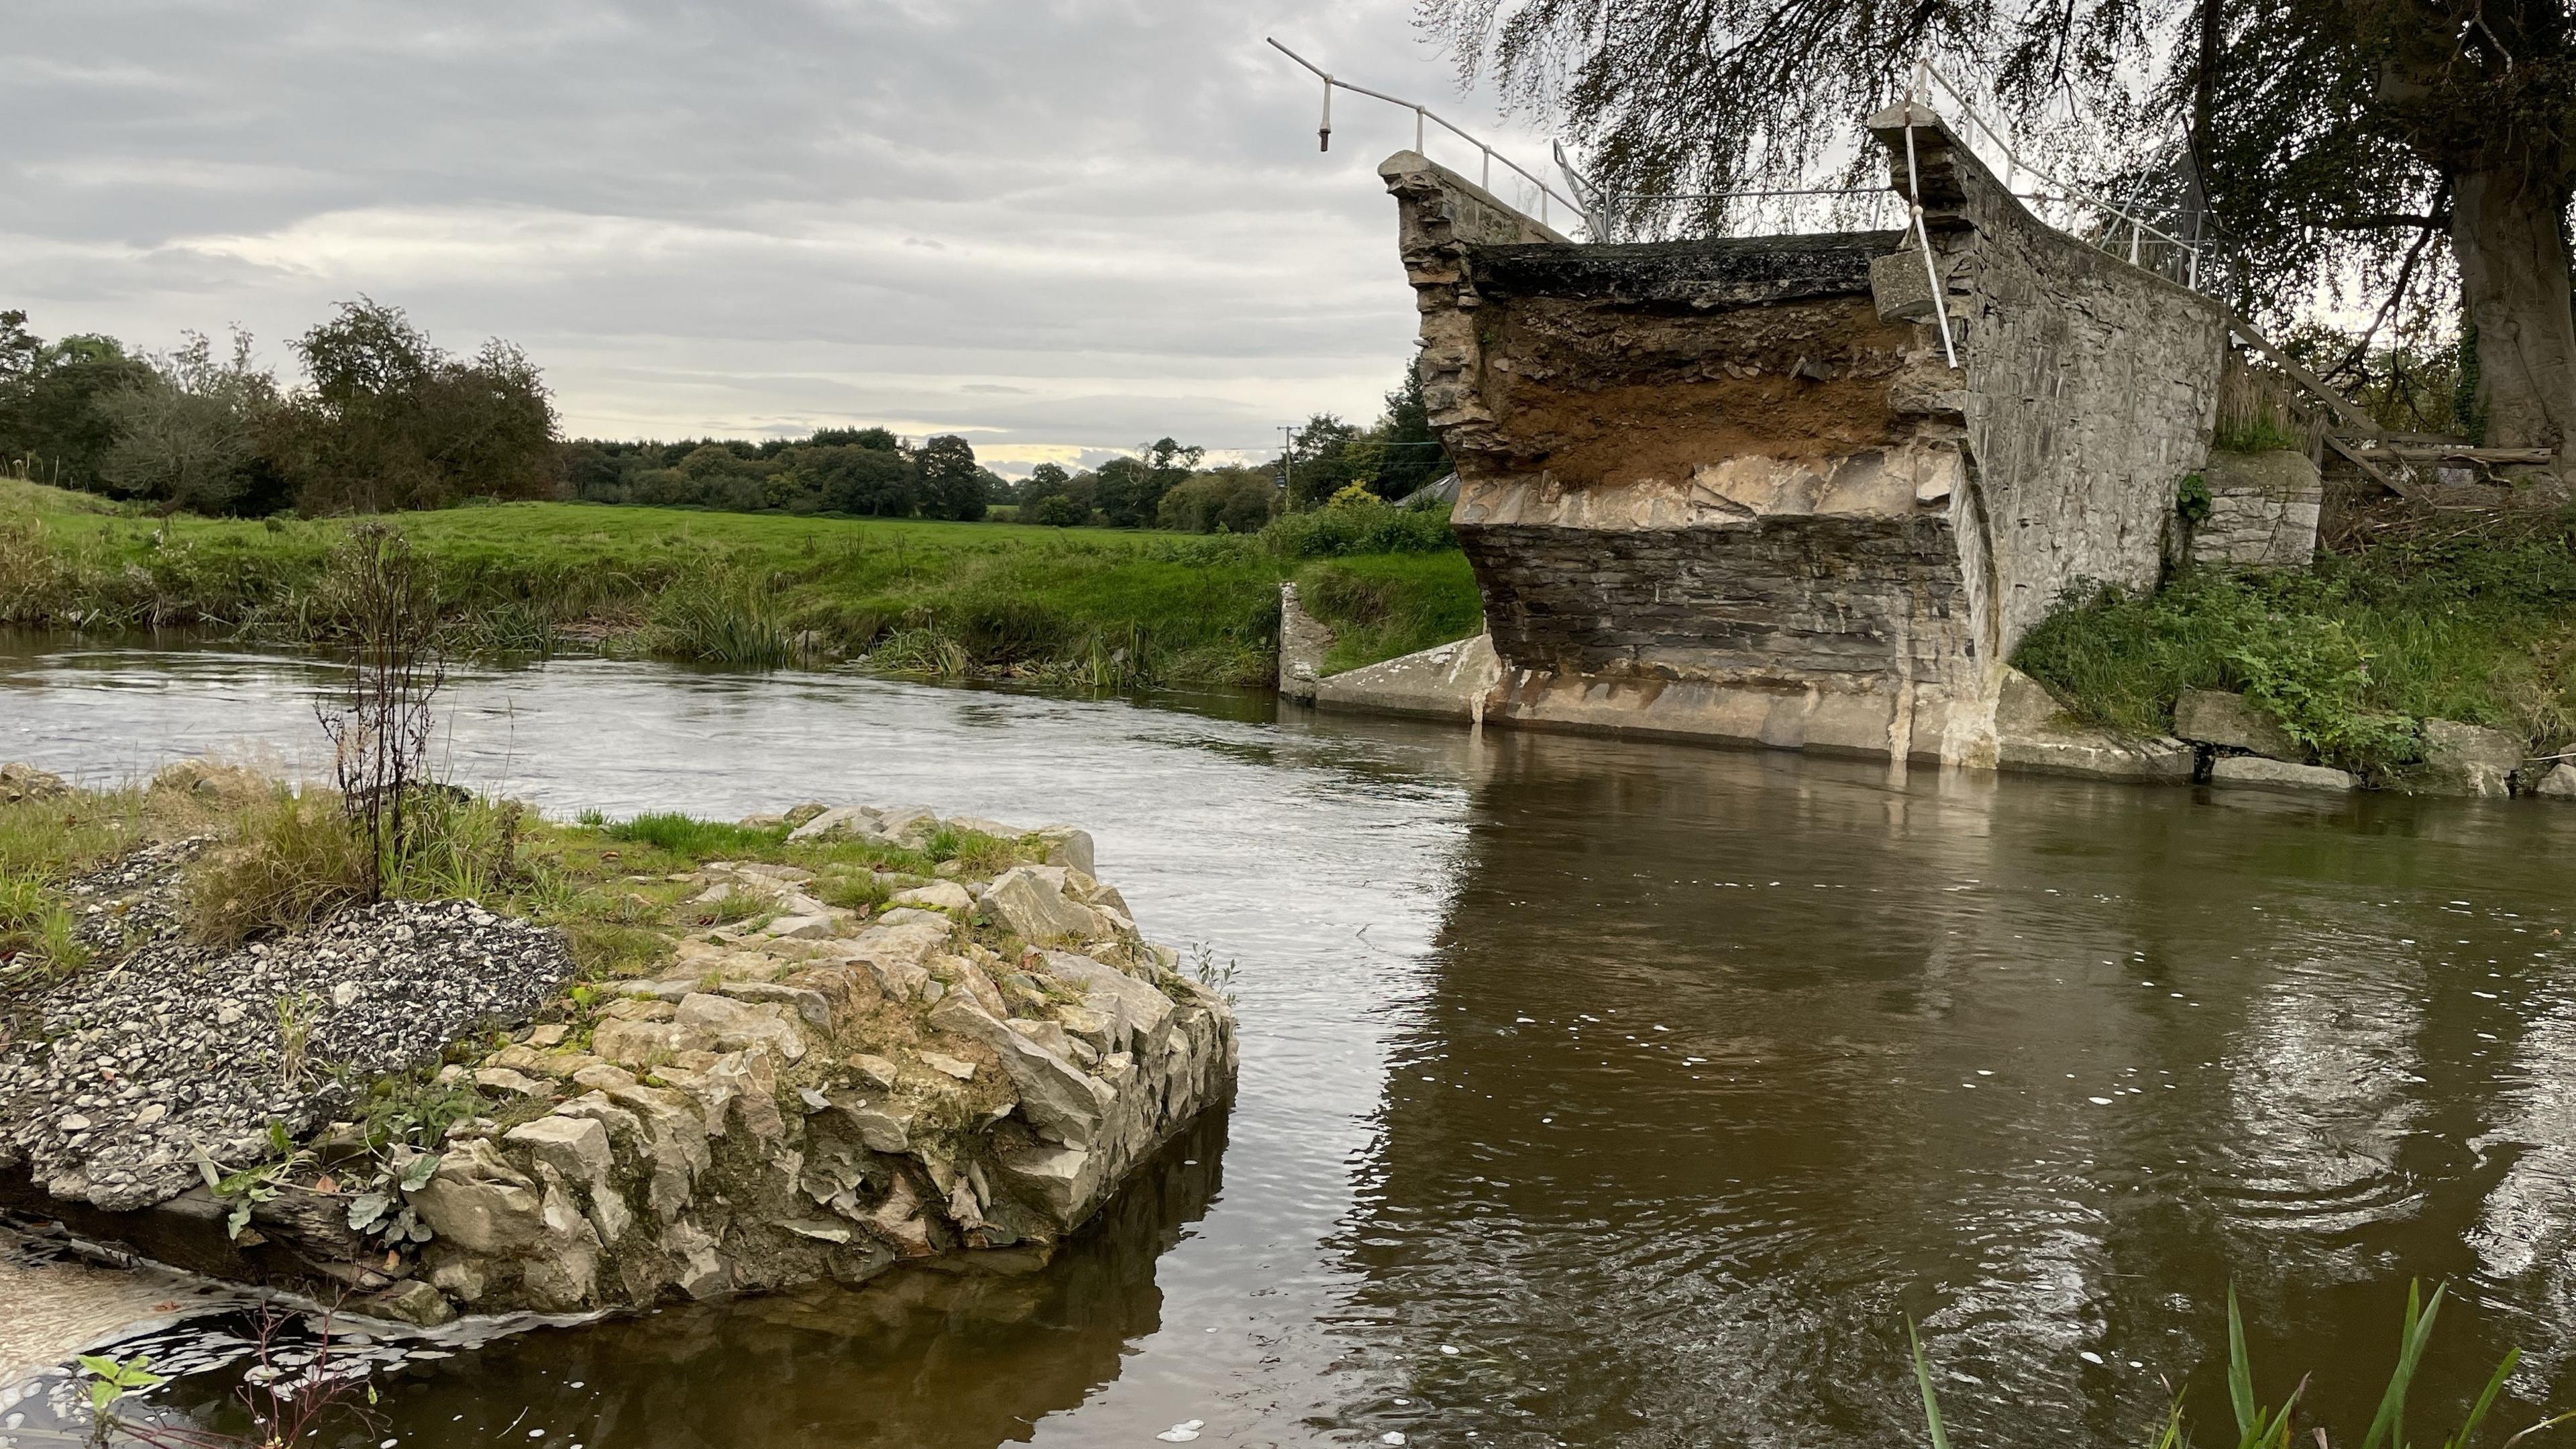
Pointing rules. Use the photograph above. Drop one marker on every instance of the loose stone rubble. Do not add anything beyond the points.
(809, 1092)
(125, 1077)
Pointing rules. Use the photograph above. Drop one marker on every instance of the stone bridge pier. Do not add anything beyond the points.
(1733, 489)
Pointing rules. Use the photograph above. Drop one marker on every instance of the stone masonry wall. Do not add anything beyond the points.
(2088, 388)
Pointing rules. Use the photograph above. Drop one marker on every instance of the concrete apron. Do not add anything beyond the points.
(1464, 682)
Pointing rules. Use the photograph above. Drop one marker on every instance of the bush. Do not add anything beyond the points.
(1361, 527)
(2477, 624)
(1002, 629)
(1389, 605)
(1058, 510)
(1227, 502)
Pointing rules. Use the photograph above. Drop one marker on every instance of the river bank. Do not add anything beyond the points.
(573, 1067)
(1092, 608)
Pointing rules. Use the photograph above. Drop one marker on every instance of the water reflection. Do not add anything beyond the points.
(1732, 1062)
(937, 1360)
(1613, 1093)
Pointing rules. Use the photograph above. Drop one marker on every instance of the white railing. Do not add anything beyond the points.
(2091, 218)
(1423, 118)
(2118, 230)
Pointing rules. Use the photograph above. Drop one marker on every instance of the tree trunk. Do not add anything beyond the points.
(2506, 229)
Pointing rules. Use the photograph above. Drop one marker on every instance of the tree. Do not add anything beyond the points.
(951, 485)
(52, 423)
(1414, 457)
(390, 421)
(1131, 489)
(191, 434)
(877, 439)
(1328, 456)
(1227, 500)
(2329, 135)
(857, 478)
(1056, 498)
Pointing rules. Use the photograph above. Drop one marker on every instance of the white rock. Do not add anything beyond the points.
(577, 1147)
(945, 895)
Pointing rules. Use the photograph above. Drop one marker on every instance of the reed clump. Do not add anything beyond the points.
(2260, 1426)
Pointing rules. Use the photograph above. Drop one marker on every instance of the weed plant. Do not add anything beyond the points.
(2477, 625)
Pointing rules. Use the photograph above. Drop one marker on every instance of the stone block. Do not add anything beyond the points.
(641, 1044)
(1901, 287)
(21, 782)
(946, 895)
(413, 1302)
(2256, 771)
(480, 1203)
(1069, 846)
(2464, 759)
(1304, 640)
(2263, 510)
(2097, 754)
(2558, 784)
(1055, 1095)
(577, 1147)
(857, 820)
(1062, 1182)
(1027, 904)
(735, 1026)
(2216, 717)
(1446, 681)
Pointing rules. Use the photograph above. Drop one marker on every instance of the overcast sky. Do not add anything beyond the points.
(1050, 225)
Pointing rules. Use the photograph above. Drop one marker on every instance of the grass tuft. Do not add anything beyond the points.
(289, 860)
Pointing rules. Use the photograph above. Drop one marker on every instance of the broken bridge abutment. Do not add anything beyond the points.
(1733, 489)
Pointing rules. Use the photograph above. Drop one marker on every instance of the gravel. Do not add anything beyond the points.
(113, 1082)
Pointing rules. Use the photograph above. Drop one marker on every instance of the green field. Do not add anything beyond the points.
(1092, 607)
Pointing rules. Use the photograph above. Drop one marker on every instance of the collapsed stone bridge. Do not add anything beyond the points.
(1734, 488)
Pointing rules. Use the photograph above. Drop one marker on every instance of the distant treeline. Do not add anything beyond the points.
(866, 472)
(387, 420)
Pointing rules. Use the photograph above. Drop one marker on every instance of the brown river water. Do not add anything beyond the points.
(1607, 1093)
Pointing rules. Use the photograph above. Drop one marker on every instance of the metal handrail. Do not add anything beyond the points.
(1925, 76)
(1421, 115)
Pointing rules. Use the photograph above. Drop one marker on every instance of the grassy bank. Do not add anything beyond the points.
(2472, 620)
(1092, 607)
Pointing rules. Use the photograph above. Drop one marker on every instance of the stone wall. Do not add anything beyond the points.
(1733, 488)
(2087, 387)
(2263, 511)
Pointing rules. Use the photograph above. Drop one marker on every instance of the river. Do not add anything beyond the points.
(1608, 1093)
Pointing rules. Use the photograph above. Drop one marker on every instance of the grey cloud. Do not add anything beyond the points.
(1068, 223)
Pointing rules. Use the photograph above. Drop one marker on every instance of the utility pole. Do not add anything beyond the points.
(1287, 450)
